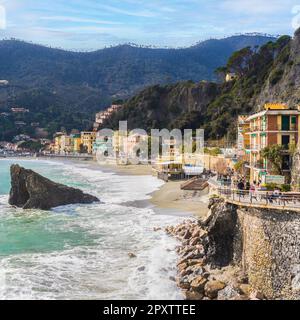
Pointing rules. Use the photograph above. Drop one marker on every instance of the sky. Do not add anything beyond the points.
(94, 24)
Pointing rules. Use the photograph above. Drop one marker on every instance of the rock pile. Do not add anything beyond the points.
(196, 277)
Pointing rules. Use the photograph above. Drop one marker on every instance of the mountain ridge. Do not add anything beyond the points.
(268, 74)
(65, 89)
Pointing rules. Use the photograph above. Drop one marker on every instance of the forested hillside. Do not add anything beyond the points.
(267, 74)
(65, 89)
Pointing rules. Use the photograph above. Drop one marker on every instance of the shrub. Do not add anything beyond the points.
(286, 188)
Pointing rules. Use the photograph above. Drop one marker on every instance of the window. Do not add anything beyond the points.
(285, 141)
(285, 123)
(286, 162)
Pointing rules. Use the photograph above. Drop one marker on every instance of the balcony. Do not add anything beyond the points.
(274, 127)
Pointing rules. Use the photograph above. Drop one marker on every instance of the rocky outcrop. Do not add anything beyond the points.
(196, 277)
(282, 83)
(261, 245)
(220, 225)
(29, 190)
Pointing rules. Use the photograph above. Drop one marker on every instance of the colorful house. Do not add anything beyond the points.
(276, 125)
(57, 142)
(87, 139)
(76, 142)
(243, 139)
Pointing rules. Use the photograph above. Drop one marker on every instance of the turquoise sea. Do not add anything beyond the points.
(81, 251)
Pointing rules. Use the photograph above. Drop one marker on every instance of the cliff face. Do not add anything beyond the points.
(268, 74)
(283, 82)
(263, 242)
(172, 106)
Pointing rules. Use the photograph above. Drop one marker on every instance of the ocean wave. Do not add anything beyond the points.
(81, 251)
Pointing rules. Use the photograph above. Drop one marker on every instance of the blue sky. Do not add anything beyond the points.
(93, 24)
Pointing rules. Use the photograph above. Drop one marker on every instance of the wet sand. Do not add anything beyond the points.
(170, 196)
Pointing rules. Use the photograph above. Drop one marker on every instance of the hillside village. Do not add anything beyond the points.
(276, 126)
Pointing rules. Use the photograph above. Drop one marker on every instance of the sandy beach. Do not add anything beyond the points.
(170, 195)
(137, 170)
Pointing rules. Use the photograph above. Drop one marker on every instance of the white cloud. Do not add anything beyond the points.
(75, 19)
(2, 17)
(296, 18)
(135, 13)
(255, 6)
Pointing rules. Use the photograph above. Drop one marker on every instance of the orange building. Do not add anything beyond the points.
(276, 125)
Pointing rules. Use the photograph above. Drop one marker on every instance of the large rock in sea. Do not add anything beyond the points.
(29, 190)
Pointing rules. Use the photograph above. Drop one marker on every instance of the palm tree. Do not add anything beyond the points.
(273, 154)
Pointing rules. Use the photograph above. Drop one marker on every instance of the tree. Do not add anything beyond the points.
(274, 154)
(221, 73)
(239, 62)
(239, 166)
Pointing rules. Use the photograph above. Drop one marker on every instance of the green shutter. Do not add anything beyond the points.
(285, 123)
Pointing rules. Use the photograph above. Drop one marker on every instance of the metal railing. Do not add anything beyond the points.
(261, 198)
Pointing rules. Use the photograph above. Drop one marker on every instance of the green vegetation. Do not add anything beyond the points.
(239, 166)
(286, 188)
(211, 106)
(213, 151)
(63, 88)
(274, 153)
(33, 146)
(274, 186)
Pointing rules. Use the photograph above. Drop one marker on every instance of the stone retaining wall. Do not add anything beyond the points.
(267, 246)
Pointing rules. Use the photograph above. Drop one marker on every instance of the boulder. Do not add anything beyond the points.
(193, 295)
(221, 230)
(184, 283)
(228, 293)
(213, 287)
(198, 284)
(29, 190)
(245, 289)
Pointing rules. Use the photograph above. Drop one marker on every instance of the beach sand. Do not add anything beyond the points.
(137, 170)
(170, 196)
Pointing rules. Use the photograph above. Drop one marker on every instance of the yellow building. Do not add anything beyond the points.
(76, 142)
(57, 142)
(87, 139)
(66, 144)
(243, 139)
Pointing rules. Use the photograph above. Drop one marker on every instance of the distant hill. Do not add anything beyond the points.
(268, 74)
(64, 88)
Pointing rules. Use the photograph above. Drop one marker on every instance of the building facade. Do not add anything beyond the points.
(87, 140)
(243, 139)
(276, 125)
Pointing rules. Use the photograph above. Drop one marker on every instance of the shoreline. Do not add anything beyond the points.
(169, 197)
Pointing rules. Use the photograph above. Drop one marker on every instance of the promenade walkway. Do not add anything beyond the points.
(257, 199)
